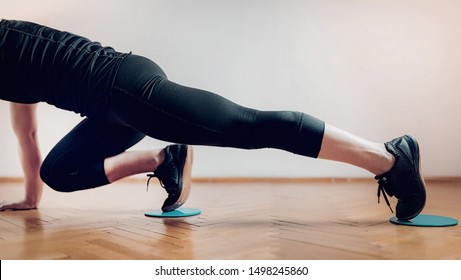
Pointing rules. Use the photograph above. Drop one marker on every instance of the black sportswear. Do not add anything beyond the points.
(126, 97)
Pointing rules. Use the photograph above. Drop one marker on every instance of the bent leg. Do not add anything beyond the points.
(77, 161)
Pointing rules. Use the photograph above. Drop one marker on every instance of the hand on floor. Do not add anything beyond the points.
(22, 205)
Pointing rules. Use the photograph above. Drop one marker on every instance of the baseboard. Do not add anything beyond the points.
(11, 179)
(294, 180)
(285, 180)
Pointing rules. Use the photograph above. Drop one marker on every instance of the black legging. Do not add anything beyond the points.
(144, 102)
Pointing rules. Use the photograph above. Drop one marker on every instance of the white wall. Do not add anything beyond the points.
(376, 68)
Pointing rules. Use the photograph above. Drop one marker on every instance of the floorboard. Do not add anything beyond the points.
(258, 220)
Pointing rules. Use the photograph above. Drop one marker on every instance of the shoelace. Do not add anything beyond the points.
(148, 180)
(382, 182)
(151, 175)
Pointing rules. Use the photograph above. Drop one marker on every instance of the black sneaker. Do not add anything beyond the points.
(404, 179)
(174, 175)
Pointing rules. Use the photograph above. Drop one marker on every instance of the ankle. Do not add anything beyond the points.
(386, 162)
(158, 157)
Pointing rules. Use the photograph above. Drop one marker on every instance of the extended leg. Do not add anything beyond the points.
(144, 99)
(339, 145)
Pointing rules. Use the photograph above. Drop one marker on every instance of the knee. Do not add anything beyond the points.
(282, 123)
(51, 177)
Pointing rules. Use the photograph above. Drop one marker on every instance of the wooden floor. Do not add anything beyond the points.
(338, 220)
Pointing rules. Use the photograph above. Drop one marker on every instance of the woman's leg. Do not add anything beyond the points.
(144, 99)
(186, 115)
(339, 145)
(93, 154)
(79, 161)
(129, 163)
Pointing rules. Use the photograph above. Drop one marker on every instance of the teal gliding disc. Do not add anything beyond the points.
(180, 212)
(424, 220)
